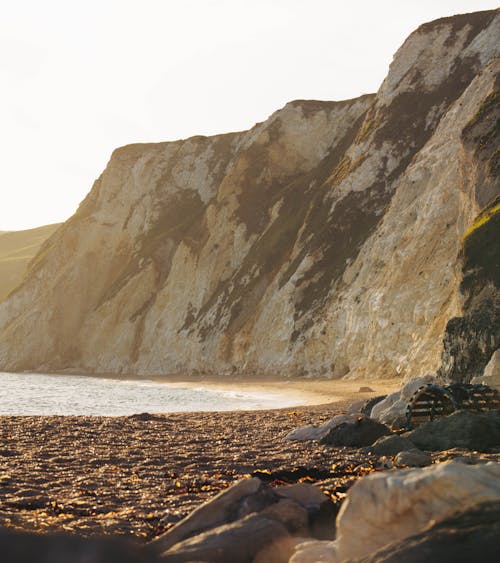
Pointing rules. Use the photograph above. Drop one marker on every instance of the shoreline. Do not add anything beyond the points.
(302, 391)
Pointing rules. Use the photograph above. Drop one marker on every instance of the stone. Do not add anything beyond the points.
(383, 405)
(314, 552)
(390, 445)
(491, 376)
(362, 432)
(412, 458)
(321, 510)
(365, 389)
(311, 432)
(366, 409)
(355, 408)
(461, 429)
(238, 542)
(470, 534)
(307, 495)
(291, 514)
(243, 498)
(395, 416)
(387, 507)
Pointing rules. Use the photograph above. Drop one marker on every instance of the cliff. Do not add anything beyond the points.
(323, 241)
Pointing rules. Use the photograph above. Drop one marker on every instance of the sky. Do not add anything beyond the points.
(78, 79)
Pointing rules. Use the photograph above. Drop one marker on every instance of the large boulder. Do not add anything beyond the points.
(238, 542)
(363, 431)
(392, 410)
(384, 508)
(307, 433)
(243, 498)
(470, 534)
(249, 521)
(461, 429)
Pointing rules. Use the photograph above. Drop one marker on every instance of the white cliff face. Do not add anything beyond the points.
(322, 241)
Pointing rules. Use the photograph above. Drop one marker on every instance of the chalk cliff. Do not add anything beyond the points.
(323, 241)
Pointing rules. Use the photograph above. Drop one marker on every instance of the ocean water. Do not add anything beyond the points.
(40, 394)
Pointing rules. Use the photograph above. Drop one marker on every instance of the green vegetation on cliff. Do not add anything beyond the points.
(17, 248)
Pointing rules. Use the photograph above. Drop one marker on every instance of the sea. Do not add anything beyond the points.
(49, 394)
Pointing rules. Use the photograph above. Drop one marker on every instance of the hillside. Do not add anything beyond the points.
(17, 248)
(323, 241)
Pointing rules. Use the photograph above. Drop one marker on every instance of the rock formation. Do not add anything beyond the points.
(322, 241)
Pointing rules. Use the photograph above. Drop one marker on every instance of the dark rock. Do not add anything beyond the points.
(322, 521)
(390, 445)
(470, 340)
(364, 389)
(238, 542)
(370, 403)
(145, 417)
(462, 429)
(362, 432)
(24, 547)
(471, 534)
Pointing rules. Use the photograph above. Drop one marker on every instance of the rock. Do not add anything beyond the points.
(491, 374)
(383, 405)
(362, 432)
(370, 403)
(471, 338)
(320, 509)
(291, 514)
(365, 406)
(243, 498)
(390, 445)
(307, 495)
(314, 552)
(470, 534)
(395, 416)
(317, 432)
(386, 507)
(146, 417)
(412, 458)
(408, 390)
(25, 547)
(355, 408)
(365, 389)
(461, 429)
(492, 369)
(238, 542)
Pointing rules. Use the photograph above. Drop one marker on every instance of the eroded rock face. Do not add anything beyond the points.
(322, 241)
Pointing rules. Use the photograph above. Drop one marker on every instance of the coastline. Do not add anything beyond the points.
(304, 391)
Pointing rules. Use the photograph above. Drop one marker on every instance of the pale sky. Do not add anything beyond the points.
(78, 79)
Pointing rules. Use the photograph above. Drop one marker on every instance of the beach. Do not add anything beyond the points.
(138, 475)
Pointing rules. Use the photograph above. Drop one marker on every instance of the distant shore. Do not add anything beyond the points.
(310, 391)
(303, 390)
